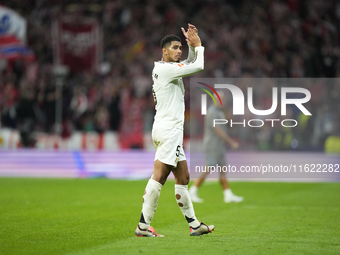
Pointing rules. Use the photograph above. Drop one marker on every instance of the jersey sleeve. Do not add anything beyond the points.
(182, 69)
(191, 54)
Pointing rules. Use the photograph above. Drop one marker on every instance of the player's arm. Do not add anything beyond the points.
(219, 131)
(179, 70)
(225, 137)
(191, 53)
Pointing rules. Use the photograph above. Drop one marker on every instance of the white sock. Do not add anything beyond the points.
(150, 202)
(193, 189)
(185, 204)
(227, 192)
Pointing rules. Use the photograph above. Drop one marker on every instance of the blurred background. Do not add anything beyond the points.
(76, 75)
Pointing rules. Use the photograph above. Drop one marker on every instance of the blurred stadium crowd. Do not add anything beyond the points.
(243, 38)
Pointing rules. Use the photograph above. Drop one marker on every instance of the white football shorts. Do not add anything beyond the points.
(169, 145)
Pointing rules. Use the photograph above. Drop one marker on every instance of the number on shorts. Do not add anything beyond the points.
(177, 150)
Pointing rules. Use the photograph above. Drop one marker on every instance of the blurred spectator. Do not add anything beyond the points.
(114, 109)
(9, 100)
(332, 143)
(26, 113)
(279, 38)
(79, 104)
(50, 97)
(101, 119)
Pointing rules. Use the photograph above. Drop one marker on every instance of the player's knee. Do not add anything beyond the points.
(161, 179)
(186, 180)
(183, 180)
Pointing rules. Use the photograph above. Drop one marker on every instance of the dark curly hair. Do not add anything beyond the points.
(168, 39)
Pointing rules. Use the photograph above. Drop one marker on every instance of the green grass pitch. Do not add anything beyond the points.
(99, 216)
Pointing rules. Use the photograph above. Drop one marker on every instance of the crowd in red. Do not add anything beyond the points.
(243, 38)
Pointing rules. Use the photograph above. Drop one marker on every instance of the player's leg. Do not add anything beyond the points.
(229, 196)
(161, 171)
(210, 159)
(151, 195)
(223, 181)
(182, 177)
(181, 174)
(162, 167)
(227, 193)
(193, 191)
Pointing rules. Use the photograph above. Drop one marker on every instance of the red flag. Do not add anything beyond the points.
(13, 36)
(77, 45)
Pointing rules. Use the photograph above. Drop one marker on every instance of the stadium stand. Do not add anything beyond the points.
(243, 38)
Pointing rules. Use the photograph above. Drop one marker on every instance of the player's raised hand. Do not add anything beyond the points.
(193, 39)
(190, 26)
(185, 33)
(192, 36)
(193, 27)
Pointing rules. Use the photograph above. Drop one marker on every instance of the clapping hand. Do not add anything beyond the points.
(191, 36)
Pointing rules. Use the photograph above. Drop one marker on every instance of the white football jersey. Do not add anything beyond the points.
(168, 87)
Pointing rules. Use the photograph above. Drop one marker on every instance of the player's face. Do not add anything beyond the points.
(175, 51)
